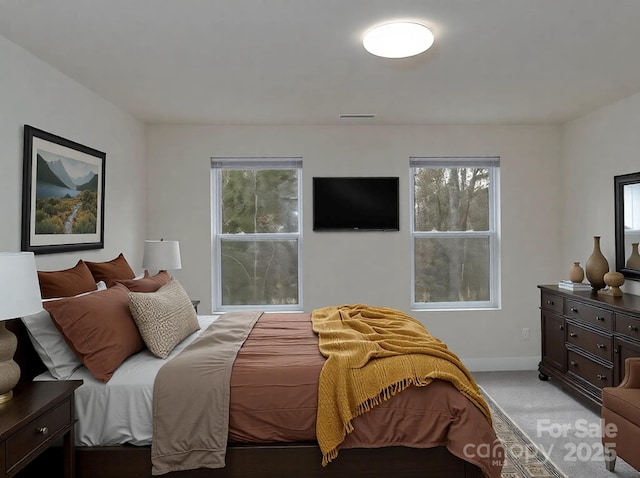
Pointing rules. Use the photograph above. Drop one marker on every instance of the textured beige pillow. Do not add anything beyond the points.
(164, 318)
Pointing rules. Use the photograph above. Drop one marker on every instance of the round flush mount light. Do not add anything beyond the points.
(398, 39)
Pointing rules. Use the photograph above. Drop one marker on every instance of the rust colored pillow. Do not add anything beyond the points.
(148, 283)
(99, 328)
(67, 282)
(110, 271)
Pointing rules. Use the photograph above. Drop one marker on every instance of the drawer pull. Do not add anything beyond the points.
(573, 334)
(601, 319)
(561, 327)
(600, 346)
(43, 431)
(574, 310)
(574, 363)
(632, 328)
(601, 377)
(549, 302)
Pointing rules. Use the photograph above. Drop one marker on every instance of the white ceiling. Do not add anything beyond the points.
(302, 61)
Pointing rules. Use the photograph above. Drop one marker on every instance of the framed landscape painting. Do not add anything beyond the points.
(62, 194)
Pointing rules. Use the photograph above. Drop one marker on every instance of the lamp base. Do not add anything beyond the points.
(5, 397)
(9, 370)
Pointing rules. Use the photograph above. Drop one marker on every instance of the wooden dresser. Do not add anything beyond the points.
(586, 338)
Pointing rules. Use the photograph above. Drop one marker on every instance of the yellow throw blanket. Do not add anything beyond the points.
(372, 354)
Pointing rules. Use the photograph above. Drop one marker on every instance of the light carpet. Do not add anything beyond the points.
(523, 459)
(563, 427)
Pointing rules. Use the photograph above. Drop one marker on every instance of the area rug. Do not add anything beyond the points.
(523, 459)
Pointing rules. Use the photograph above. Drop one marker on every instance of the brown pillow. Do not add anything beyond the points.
(110, 271)
(67, 282)
(164, 318)
(148, 283)
(99, 328)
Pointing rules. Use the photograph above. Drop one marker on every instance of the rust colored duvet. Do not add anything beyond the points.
(274, 394)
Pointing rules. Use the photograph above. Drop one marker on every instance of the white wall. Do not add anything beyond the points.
(374, 267)
(595, 148)
(31, 92)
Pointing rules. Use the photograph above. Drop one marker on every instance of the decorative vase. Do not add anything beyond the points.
(634, 259)
(576, 273)
(596, 266)
(614, 280)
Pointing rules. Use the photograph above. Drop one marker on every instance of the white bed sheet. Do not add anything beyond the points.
(120, 411)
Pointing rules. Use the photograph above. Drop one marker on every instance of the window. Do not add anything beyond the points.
(454, 229)
(256, 233)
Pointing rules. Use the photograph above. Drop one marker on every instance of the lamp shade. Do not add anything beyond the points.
(161, 255)
(19, 287)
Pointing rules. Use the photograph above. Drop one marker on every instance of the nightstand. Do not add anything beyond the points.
(195, 304)
(39, 414)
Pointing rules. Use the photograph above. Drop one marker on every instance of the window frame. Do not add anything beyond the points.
(493, 234)
(218, 164)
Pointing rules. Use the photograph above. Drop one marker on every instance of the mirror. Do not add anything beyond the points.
(627, 216)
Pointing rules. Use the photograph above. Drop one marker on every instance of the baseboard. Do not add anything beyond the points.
(501, 364)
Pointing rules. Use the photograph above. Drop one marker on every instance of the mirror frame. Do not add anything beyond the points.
(619, 183)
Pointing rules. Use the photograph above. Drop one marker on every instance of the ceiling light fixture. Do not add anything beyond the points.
(398, 39)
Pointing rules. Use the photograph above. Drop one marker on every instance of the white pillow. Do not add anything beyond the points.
(50, 345)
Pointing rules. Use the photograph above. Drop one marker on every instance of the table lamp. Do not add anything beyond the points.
(19, 296)
(161, 255)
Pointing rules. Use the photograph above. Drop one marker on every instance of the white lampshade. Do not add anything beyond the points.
(161, 255)
(19, 296)
(19, 287)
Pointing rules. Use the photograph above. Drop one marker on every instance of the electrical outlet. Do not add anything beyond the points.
(525, 333)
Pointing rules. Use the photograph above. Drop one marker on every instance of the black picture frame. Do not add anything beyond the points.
(62, 194)
(622, 249)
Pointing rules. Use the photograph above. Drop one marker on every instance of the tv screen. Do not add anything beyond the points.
(355, 204)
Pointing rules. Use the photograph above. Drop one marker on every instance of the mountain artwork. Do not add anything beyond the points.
(66, 195)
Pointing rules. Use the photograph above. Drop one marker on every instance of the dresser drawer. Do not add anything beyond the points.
(574, 309)
(598, 344)
(551, 302)
(628, 326)
(37, 432)
(594, 373)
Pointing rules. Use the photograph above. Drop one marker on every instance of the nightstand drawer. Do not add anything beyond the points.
(597, 344)
(592, 372)
(592, 315)
(37, 432)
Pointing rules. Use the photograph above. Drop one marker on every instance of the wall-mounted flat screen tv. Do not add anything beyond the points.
(355, 204)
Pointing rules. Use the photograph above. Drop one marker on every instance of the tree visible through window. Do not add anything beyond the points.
(454, 232)
(256, 233)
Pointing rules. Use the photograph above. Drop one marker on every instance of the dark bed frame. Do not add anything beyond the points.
(258, 461)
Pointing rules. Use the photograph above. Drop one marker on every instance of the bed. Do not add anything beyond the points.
(251, 453)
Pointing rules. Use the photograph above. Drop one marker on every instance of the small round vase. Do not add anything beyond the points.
(596, 266)
(576, 273)
(634, 259)
(614, 280)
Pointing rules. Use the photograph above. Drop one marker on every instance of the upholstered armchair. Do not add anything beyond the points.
(621, 417)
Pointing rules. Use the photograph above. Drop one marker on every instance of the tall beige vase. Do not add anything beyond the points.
(596, 266)
(634, 259)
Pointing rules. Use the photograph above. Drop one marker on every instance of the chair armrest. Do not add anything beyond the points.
(631, 373)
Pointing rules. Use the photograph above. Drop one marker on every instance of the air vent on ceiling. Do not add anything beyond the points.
(356, 115)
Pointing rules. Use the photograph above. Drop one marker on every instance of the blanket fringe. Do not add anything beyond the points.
(329, 456)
